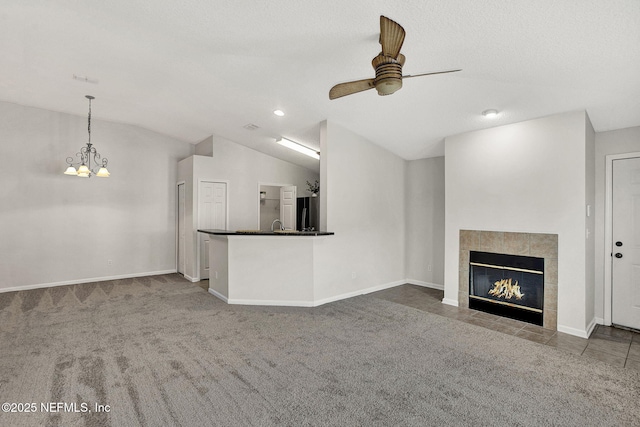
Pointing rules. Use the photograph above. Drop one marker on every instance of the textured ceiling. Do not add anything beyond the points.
(193, 68)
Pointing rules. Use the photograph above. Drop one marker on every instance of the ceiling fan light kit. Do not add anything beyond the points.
(387, 65)
(388, 73)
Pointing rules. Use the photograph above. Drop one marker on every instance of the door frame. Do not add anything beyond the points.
(178, 184)
(270, 184)
(608, 231)
(197, 216)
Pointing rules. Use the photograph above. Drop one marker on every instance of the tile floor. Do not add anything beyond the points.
(611, 345)
(204, 284)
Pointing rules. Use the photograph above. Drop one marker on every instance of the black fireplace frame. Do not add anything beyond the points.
(504, 308)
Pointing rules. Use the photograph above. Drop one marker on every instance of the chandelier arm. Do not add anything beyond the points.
(85, 153)
(96, 161)
(80, 161)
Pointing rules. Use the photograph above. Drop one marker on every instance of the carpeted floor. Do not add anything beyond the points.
(161, 351)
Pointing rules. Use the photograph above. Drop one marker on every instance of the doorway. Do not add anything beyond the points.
(622, 237)
(277, 201)
(181, 264)
(212, 214)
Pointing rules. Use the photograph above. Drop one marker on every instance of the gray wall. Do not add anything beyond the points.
(57, 228)
(363, 202)
(590, 200)
(525, 177)
(424, 243)
(244, 168)
(270, 206)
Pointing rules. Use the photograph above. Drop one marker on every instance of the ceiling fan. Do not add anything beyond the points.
(388, 65)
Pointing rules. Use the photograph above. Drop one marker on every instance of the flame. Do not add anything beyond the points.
(505, 289)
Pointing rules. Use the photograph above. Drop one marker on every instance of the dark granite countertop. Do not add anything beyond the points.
(266, 233)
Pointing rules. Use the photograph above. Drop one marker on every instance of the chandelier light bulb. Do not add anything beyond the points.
(103, 173)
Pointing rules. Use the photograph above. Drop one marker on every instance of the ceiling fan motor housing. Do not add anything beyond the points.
(388, 65)
(388, 73)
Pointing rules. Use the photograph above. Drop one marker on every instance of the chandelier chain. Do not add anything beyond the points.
(89, 125)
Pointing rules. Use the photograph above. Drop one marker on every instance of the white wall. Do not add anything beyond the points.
(57, 228)
(524, 177)
(362, 201)
(613, 142)
(425, 187)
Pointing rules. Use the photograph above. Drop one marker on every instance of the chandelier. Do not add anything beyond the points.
(85, 170)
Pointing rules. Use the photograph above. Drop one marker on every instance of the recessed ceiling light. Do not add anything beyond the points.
(490, 113)
(299, 148)
(278, 113)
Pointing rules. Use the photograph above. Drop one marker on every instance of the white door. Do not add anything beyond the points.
(212, 215)
(181, 230)
(288, 207)
(625, 310)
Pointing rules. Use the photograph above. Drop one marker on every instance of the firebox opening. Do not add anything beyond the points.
(507, 285)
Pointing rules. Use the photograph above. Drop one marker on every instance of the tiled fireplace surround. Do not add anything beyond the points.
(527, 244)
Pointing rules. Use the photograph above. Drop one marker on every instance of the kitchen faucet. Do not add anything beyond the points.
(274, 222)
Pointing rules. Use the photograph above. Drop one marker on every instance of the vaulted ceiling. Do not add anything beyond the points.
(193, 68)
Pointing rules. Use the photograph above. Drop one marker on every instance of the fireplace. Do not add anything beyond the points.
(507, 285)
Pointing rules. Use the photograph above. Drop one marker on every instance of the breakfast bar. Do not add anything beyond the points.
(265, 268)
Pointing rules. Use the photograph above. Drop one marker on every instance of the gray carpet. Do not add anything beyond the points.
(161, 351)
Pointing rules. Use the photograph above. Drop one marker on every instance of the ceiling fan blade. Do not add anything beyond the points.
(391, 37)
(344, 89)
(428, 74)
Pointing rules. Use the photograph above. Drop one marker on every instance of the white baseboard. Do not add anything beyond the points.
(191, 279)
(310, 303)
(80, 281)
(425, 284)
(279, 303)
(359, 292)
(599, 320)
(218, 295)
(450, 302)
(577, 332)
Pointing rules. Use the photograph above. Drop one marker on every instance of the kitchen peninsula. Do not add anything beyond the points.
(265, 268)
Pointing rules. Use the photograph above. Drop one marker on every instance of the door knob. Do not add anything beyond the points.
(618, 255)
(618, 243)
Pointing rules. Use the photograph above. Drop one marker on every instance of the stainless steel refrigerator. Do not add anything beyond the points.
(308, 213)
